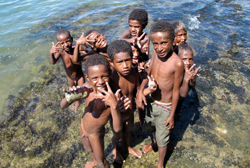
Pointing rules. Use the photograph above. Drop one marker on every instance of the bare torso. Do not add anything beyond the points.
(73, 70)
(127, 85)
(164, 74)
(96, 115)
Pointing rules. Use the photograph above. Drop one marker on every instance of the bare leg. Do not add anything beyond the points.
(87, 146)
(97, 144)
(64, 103)
(152, 146)
(115, 139)
(162, 153)
(126, 136)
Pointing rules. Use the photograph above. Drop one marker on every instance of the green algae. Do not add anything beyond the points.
(35, 132)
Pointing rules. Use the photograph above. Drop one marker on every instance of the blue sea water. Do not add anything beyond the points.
(28, 28)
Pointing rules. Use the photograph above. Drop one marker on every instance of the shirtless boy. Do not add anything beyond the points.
(63, 48)
(180, 32)
(138, 20)
(126, 78)
(189, 79)
(167, 69)
(186, 55)
(101, 104)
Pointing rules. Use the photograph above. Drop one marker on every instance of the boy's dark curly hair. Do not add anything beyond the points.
(118, 46)
(163, 26)
(95, 59)
(140, 15)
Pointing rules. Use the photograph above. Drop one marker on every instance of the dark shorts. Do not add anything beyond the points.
(156, 116)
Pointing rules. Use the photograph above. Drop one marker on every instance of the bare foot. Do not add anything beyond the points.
(136, 152)
(118, 156)
(149, 147)
(91, 164)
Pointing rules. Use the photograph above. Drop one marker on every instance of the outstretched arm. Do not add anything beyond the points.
(81, 41)
(74, 94)
(54, 53)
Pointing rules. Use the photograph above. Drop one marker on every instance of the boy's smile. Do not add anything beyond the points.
(135, 58)
(100, 40)
(180, 37)
(135, 28)
(161, 43)
(122, 63)
(65, 42)
(98, 75)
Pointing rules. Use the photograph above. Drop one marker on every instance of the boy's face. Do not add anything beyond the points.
(187, 58)
(180, 37)
(100, 40)
(65, 42)
(98, 75)
(135, 58)
(122, 62)
(162, 43)
(135, 28)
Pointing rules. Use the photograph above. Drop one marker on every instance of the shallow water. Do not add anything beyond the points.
(29, 27)
(217, 30)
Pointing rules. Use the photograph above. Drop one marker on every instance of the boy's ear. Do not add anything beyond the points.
(86, 76)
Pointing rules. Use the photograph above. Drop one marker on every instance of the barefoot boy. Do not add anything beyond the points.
(101, 104)
(126, 78)
(138, 20)
(63, 48)
(167, 69)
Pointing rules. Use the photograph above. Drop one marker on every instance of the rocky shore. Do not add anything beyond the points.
(212, 131)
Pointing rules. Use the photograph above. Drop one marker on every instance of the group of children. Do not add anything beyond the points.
(120, 78)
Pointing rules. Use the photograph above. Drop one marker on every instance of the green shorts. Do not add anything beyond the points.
(156, 116)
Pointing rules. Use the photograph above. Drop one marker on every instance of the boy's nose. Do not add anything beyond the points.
(101, 81)
(125, 65)
(159, 48)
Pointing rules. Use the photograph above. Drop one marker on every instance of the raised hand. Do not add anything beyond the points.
(108, 97)
(123, 102)
(151, 84)
(54, 48)
(84, 40)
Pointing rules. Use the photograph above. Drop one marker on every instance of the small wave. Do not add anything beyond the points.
(193, 22)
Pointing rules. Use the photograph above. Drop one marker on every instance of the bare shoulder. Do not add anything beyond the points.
(125, 34)
(87, 84)
(177, 60)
